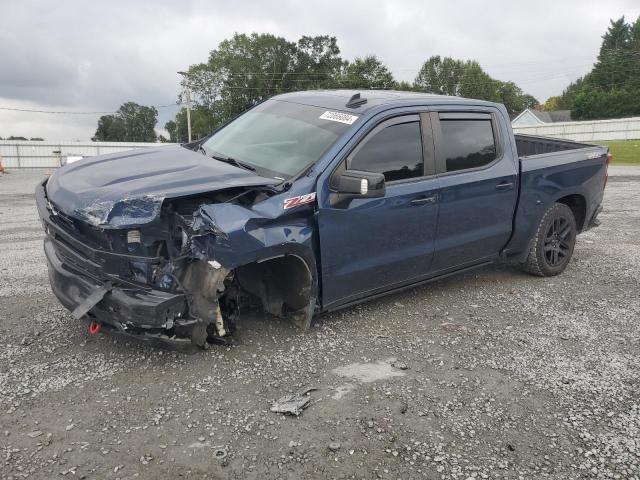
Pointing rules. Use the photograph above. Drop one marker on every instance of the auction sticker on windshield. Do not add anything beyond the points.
(339, 117)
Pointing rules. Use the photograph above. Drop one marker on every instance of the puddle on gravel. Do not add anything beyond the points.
(342, 390)
(369, 372)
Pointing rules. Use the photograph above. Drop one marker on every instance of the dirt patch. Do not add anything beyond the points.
(369, 372)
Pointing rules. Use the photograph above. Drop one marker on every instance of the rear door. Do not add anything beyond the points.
(478, 174)
(371, 244)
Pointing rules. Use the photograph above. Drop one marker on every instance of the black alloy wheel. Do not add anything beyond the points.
(552, 246)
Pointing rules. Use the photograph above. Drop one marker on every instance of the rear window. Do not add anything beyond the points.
(467, 143)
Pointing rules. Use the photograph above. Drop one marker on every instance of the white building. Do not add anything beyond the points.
(532, 117)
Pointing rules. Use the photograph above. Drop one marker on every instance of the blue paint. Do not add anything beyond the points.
(368, 245)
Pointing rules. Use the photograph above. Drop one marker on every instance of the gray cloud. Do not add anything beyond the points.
(76, 55)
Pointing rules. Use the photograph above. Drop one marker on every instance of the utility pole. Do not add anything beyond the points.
(187, 93)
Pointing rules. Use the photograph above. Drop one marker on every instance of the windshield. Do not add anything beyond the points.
(279, 139)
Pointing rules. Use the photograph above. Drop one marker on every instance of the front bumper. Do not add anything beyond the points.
(76, 271)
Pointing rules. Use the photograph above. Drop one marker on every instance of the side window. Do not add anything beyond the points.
(395, 151)
(467, 143)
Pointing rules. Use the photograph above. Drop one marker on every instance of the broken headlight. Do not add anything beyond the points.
(155, 275)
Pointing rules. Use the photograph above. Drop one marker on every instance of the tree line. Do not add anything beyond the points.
(247, 69)
(13, 137)
(131, 123)
(612, 88)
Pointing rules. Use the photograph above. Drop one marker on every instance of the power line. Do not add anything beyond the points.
(512, 65)
(342, 81)
(54, 112)
(346, 79)
(59, 112)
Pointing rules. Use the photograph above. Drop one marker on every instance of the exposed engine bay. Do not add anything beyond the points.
(184, 274)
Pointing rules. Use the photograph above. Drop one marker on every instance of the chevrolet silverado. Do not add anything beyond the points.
(310, 202)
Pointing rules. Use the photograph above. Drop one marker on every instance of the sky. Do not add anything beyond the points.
(95, 55)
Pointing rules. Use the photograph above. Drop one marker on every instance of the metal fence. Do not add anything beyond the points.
(587, 131)
(33, 154)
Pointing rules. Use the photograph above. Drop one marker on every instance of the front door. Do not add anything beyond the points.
(372, 244)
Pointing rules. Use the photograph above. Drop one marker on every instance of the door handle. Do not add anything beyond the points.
(424, 200)
(504, 186)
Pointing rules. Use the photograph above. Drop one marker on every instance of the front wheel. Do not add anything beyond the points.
(553, 244)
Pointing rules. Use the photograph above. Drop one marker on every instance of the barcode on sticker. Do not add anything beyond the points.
(339, 117)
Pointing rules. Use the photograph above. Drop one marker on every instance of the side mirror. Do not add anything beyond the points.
(359, 184)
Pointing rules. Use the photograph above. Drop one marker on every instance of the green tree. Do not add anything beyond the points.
(448, 76)
(565, 101)
(596, 103)
(110, 129)
(530, 101)
(404, 86)
(202, 124)
(513, 98)
(367, 72)
(131, 123)
(613, 65)
(247, 69)
(552, 104)
(612, 88)
(317, 63)
(243, 71)
(440, 75)
(170, 127)
(476, 83)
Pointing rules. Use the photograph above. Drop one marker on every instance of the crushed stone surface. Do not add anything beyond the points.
(497, 375)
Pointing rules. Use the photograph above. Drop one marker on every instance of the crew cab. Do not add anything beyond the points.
(310, 202)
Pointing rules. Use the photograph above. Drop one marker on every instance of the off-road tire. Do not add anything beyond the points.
(553, 243)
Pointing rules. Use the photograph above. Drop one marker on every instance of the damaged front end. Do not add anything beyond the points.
(177, 270)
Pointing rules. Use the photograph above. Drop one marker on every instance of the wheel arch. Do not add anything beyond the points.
(578, 205)
(282, 281)
(285, 281)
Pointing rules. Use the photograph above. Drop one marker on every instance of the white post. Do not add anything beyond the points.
(187, 92)
(188, 111)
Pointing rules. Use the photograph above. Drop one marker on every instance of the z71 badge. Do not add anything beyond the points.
(300, 200)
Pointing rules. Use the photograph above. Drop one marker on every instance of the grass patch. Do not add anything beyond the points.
(625, 152)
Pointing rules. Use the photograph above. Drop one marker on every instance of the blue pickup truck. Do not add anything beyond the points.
(310, 202)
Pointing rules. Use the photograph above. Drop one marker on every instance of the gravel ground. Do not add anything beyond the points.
(490, 374)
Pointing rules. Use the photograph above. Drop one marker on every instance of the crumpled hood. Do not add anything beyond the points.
(127, 188)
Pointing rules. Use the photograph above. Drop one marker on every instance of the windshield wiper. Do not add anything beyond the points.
(233, 161)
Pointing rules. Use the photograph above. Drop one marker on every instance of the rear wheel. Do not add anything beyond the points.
(552, 247)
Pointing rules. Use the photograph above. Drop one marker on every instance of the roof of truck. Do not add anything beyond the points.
(338, 99)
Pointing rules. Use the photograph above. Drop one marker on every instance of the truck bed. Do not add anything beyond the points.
(529, 145)
(553, 169)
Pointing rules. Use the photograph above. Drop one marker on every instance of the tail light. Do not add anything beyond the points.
(606, 169)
